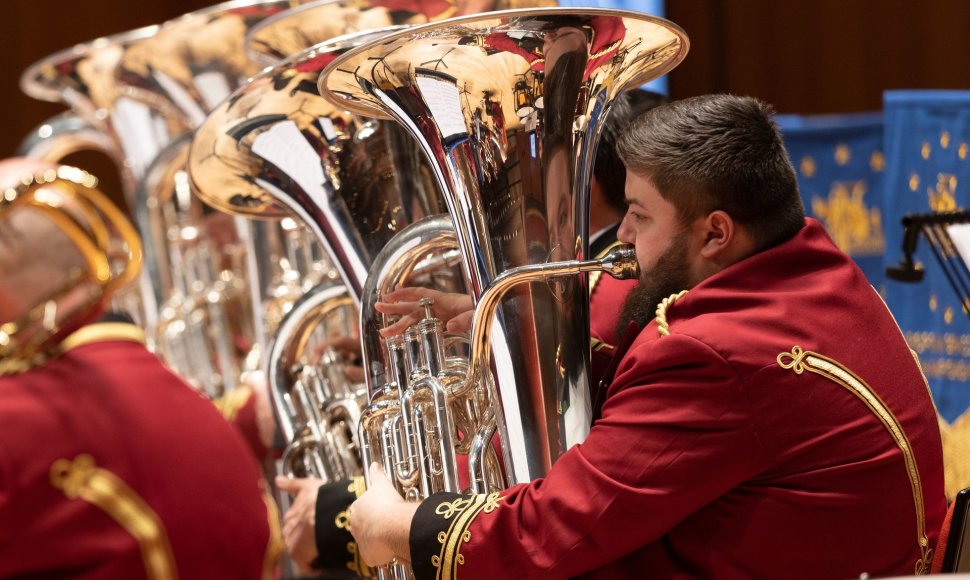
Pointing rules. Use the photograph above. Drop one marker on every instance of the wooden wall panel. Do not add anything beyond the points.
(803, 56)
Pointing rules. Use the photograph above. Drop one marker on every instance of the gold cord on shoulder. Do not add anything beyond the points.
(274, 544)
(800, 360)
(232, 402)
(81, 478)
(662, 327)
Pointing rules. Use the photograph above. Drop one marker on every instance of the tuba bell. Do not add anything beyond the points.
(277, 150)
(145, 91)
(509, 106)
(64, 203)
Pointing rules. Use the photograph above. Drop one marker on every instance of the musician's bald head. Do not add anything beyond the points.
(36, 257)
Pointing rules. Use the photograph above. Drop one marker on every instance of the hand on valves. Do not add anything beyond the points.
(455, 309)
(380, 521)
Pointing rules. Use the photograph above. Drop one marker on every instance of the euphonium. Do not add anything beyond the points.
(276, 149)
(63, 203)
(509, 107)
(145, 90)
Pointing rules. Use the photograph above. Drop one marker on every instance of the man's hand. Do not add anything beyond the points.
(299, 523)
(456, 310)
(380, 521)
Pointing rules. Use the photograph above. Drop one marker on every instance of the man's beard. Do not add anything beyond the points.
(670, 275)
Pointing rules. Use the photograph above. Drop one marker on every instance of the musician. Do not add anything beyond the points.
(606, 209)
(110, 465)
(768, 420)
(325, 546)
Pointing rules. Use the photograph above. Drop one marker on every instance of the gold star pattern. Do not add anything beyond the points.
(807, 166)
(945, 139)
(926, 150)
(962, 151)
(842, 154)
(948, 315)
(913, 182)
(877, 161)
(933, 302)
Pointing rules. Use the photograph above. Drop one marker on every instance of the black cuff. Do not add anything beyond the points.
(336, 549)
(439, 529)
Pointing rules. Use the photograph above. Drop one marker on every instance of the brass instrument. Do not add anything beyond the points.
(509, 106)
(63, 200)
(287, 33)
(145, 91)
(275, 150)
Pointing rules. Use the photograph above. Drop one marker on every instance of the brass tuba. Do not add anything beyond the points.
(103, 255)
(145, 91)
(274, 150)
(509, 106)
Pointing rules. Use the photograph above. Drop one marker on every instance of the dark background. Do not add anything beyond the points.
(803, 56)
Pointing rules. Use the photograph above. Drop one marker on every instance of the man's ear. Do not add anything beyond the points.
(718, 232)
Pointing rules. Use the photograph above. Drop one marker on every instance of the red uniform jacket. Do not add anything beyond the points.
(112, 467)
(782, 430)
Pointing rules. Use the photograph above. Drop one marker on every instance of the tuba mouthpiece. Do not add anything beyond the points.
(621, 262)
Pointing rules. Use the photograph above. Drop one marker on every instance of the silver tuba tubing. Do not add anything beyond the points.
(316, 408)
(509, 106)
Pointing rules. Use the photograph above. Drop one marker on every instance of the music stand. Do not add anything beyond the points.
(956, 555)
(948, 236)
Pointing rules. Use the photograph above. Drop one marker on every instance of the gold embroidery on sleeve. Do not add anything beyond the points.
(342, 521)
(799, 360)
(662, 327)
(357, 485)
(464, 510)
(357, 564)
(81, 478)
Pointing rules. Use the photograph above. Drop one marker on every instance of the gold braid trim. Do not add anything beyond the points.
(356, 564)
(799, 361)
(274, 544)
(662, 327)
(98, 332)
(230, 403)
(464, 510)
(81, 478)
(357, 485)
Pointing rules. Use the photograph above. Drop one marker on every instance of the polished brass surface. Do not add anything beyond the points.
(298, 29)
(145, 91)
(276, 148)
(509, 107)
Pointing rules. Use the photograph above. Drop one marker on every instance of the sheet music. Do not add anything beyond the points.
(960, 234)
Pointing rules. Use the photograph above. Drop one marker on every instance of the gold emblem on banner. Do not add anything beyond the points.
(855, 227)
(943, 197)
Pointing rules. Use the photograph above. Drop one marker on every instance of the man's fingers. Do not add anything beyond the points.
(398, 327)
(288, 484)
(461, 323)
(407, 294)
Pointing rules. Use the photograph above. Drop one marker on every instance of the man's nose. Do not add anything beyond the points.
(624, 233)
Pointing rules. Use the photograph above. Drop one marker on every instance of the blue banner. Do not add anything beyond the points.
(927, 136)
(840, 166)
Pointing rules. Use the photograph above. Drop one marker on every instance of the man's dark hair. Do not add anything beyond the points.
(718, 152)
(609, 170)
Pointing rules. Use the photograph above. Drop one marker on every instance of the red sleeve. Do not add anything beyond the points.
(675, 434)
